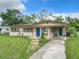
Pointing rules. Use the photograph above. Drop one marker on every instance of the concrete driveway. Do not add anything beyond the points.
(54, 49)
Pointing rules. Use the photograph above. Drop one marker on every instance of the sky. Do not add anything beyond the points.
(56, 6)
(69, 7)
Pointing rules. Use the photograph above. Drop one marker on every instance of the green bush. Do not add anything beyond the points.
(72, 31)
(42, 35)
(43, 39)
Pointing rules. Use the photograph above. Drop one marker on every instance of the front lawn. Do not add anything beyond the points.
(72, 47)
(15, 47)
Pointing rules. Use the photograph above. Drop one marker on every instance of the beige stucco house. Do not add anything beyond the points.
(51, 29)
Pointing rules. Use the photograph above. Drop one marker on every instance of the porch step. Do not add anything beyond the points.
(58, 38)
(35, 43)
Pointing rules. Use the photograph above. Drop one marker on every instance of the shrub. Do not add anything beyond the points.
(43, 39)
(42, 35)
(72, 31)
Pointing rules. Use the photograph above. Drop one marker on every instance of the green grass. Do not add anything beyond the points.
(43, 42)
(16, 47)
(72, 47)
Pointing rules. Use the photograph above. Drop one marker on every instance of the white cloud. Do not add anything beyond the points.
(72, 15)
(8, 4)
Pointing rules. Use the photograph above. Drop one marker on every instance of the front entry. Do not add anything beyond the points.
(57, 31)
(37, 32)
(60, 32)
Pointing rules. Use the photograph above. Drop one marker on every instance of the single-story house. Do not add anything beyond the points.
(51, 29)
(4, 29)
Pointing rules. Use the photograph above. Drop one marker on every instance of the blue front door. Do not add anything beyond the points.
(60, 32)
(37, 32)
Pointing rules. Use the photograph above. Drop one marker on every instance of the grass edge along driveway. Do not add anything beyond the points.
(72, 47)
(16, 47)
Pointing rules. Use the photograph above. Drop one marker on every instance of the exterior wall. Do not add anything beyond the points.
(21, 33)
(33, 34)
(49, 33)
(56, 31)
(4, 29)
(64, 33)
(14, 33)
(51, 24)
(54, 25)
(27, 34)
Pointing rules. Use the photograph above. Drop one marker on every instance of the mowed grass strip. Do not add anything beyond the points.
(14, 47)
(72, 47)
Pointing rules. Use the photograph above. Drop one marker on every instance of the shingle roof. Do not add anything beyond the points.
(50, 21)
(22, 25)
(41, 22)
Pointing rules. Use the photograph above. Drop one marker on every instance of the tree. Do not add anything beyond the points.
(11, 17)
(29, 19)
(73, 22)
(33, 18)
(72, 31)
(43, 14)
(59, 19)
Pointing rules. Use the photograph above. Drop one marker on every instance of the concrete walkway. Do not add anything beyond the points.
(54, 49)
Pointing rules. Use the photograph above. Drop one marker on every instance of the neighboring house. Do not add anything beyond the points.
(50, 28)
(4, 29)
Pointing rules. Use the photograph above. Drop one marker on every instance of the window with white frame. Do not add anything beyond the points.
(27, 30)
(13, 29)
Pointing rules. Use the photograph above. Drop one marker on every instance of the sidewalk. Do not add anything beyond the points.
(52, 50)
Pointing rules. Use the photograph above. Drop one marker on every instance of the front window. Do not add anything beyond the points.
(27, 30)
(45, 31)
(7, 29)
(13, 29)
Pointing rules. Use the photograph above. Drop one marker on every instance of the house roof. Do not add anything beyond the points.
(50, 23)
(41, 23)
(22, 25)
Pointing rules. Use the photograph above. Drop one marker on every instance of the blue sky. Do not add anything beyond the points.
(33, 6)
(62, 7)
(56, 6)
